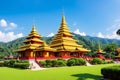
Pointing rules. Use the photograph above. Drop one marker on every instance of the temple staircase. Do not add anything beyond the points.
(34, 65)
(88, 63)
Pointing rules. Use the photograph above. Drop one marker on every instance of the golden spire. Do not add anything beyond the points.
(63, 20)
(99, 49)
(63, 40)
(33, 28)
(34, 31)
(33, 36)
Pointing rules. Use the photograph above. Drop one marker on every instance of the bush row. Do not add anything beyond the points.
(62, 62)
(15, 64)
(100, 61)
(112, 72)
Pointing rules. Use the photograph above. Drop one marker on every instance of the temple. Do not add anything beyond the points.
(118, 56)
(99, 53)
(30, 44)
(62, 45)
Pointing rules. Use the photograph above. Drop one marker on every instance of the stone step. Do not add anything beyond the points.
(88, 64)
(34, 65)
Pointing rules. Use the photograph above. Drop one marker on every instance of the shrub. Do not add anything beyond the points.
(60, 63)
(6, 63)
(71, 62)
(48, 63)
(96, 61)
(80, 61)
(112, 72)
(42, 63)
(54, 63)
(16, 64)
(22, 61)
(21, 65)
(76, 61)
(1, 64)
(11, 63)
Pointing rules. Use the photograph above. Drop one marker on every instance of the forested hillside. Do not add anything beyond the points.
(87, 41)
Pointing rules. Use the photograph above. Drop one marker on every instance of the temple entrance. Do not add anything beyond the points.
(73, 54)
(56, 54)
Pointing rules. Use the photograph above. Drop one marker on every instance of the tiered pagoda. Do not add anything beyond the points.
(30, 44)
(118, 56)
(99, 53)
(65, 45)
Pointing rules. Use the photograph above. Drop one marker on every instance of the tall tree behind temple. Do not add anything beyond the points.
(111, 50)
(118, 32)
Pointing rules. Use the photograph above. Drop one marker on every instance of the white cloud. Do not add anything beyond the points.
(6, 37)
(13, 24)
(7, 26)
(113, 35)
(111, 31)
(3, 23)
(100, 35)
(50, 35)
(77, 31)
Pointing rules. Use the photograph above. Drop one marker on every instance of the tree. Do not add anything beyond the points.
(110, 50)
(118, 32)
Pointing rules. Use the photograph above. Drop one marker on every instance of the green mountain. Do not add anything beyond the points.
(87, 41)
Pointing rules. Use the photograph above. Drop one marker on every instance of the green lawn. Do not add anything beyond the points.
(63, 73)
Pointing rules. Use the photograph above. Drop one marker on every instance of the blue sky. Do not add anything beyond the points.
(99, 18)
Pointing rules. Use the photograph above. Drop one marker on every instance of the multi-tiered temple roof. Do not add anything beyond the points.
(32, 41)
(63, 40)
(45, 47)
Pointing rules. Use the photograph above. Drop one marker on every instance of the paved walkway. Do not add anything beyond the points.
(35, 66)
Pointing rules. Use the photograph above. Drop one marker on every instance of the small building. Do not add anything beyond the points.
(99, 53)
(10, 56)
(118, 56)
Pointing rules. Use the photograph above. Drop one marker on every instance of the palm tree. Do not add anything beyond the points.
(118, 32)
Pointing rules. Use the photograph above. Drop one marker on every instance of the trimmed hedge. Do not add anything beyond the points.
(61, 62)
(1, 64)
(48, 63)
(112, 72)
(108, 62)
(53, 63)
(22, 65)
(42, 63)
(96, 61)
(16, 64)
(76, 62)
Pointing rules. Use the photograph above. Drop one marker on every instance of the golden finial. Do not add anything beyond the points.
(33, 28)
(63, 19)
(99, 48)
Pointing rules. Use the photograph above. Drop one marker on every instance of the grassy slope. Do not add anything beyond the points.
(64, 73)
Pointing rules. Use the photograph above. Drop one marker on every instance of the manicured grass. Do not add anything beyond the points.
(63, 73)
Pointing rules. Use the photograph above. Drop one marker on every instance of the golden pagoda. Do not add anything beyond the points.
(99, 52)
(30, 44)
(99, 49)
(64, 43)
